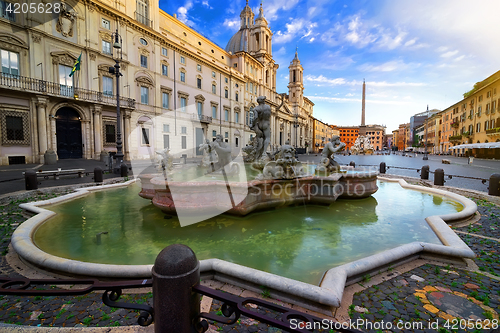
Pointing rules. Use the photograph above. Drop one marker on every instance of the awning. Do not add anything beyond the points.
(489, 145)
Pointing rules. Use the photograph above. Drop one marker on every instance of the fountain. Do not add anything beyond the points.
(260, 199)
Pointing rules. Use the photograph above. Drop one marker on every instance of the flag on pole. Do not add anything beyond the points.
(76, 67)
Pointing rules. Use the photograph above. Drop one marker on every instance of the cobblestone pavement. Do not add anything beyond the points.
(430, 294)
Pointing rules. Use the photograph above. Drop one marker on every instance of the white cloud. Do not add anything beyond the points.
(297, 29)
(324, 81)
(271, 8)
(449, 54)
(206, 4)
(233, 24)
(389, 66)
(182, 13)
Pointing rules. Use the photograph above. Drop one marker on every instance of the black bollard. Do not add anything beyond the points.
(30, 180)
(97, 175)
(382, 167)
(424, 173)
(123, 170)
(352, 164)
(439, 177)
(494, 185)
(175, 271)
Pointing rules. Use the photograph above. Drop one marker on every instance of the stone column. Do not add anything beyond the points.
(97, 132)
(41, 104)
(53, 133)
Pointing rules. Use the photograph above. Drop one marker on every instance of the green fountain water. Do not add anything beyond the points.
(297, 242)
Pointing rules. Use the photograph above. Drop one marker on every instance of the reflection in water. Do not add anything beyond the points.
(299, 242)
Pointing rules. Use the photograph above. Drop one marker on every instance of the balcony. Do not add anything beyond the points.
(143, 20)
(27, 84)
(455, 138)
(493, 131)
(202, 118)
(455, 124)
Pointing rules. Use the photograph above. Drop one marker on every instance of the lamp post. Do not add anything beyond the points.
(117, 44)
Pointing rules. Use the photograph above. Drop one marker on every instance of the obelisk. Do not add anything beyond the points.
(362, 127)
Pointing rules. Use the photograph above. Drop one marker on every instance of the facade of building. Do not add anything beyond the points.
(403, 136)
(388, 141)
(376, 134)
(348, 135)
(395, 139)
(322, 133)
(178, 88)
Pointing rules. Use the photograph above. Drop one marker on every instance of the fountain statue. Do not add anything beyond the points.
(284, 165)
(165, 161)
(209, 155)
(328, 164)
(362, 146)
(261, 125)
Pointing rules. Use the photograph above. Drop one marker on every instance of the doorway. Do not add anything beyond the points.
(68, 134)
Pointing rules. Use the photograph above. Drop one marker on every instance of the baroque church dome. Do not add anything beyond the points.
(240, 41)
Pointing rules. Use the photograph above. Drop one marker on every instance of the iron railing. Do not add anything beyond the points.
(23, 83)
(232, 308)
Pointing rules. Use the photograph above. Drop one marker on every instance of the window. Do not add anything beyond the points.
(183, 60)
(106, 47)
(236, 140)
(143, 41)
(10, 62)
(142, 11)
(213, 74)
(110, 134)
(488, 94)
(144, 95)
(226, 134)
(183, 104)
(184, 142)
(166, 128)
(226, 93)
(165, 101)
(214, 133)
(198, 82)
(166, 141)
(486, 125)
(214, 112)
(144, 61)
(105, 24)
(183, 130)
(198, 67)
(14, 126)
(480, 98)
(225, 79)
(214, 89)
(478, 127)
(183, 77)
(479, 109)
(6, 11)
(251, 87)
(145, 136)
(199, 108)
(237, 117)
(226, 115)
(164, 52)
(107, 86)
(65, 80)
(164, 70)
(236, 97)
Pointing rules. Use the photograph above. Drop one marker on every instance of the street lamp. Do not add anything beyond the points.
(117, 44)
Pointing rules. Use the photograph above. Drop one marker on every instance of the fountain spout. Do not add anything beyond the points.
(98, 236)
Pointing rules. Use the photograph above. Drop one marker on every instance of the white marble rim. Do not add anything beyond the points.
(329, 292)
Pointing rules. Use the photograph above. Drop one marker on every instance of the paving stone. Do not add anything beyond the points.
(417, 278)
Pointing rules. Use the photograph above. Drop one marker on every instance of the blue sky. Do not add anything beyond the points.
(411, 53)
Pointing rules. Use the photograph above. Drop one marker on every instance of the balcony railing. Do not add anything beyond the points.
(493, 131)
(202, 118)
(22, 83)
(143, 19)
(455, 124)
(455, 138)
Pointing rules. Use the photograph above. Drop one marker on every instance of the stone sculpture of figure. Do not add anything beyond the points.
(223, 150)
(328, 162)
(166, 161)
(209, 156)
(261, 125)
